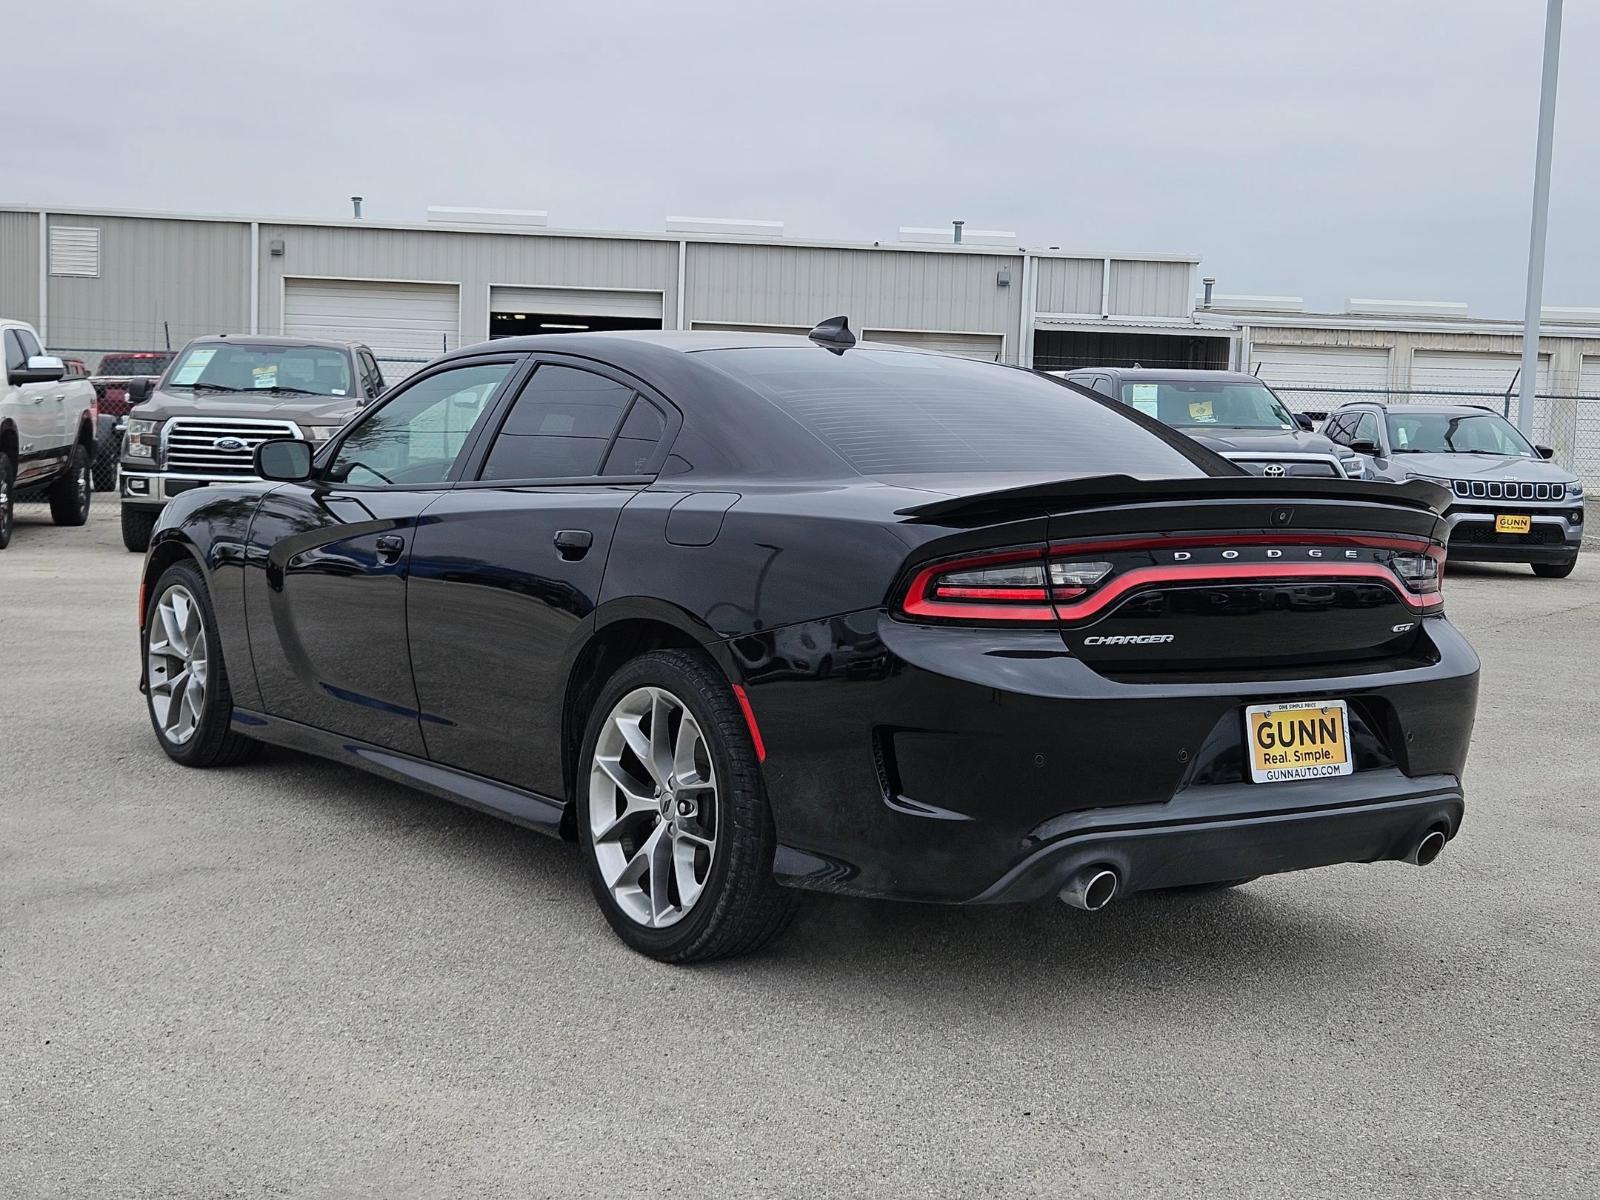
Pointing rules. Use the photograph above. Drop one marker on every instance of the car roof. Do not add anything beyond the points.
(682, 341)
(1164, 375)
(220, 339)
(1460, 410)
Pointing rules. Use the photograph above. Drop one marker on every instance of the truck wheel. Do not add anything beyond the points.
(137, 526)
(69, 496)
(8, 498)
(1554, 570)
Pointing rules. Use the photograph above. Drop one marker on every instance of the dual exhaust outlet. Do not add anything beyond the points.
(1092, 888)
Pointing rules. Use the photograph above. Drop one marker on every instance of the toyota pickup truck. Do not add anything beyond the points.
(47, 428)
(198, 425)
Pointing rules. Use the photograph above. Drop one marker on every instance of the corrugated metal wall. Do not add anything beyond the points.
(1070, 285)
(879, 289)
(194, 275)
(477, 261)
(1150, 289)
(19, 266)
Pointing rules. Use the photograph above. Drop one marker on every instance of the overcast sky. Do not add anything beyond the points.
(1374, 148)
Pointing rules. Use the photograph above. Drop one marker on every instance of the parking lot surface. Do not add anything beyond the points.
(292, 979)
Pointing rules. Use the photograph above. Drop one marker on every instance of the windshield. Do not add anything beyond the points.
(1455, 433)
(238, 367)
(1190, 403)
(887, 412)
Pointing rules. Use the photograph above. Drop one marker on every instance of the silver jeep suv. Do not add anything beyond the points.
(1511, 503)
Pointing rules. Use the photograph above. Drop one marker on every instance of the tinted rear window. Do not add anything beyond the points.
(887, 412)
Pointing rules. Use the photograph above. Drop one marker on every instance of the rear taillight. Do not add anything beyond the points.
(1421, 573)
(1070, 581)
(1019, 585)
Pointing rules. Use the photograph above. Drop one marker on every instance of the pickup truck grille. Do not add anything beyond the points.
(219, 445)
(1494, 489)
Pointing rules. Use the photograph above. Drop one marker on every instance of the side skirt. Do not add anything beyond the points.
(512, 804)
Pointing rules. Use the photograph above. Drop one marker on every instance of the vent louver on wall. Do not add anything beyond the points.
(74, 250)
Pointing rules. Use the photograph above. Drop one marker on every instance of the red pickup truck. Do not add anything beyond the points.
(111, 385)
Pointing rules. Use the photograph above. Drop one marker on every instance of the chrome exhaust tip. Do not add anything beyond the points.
(1091, 889)
(1427, 848)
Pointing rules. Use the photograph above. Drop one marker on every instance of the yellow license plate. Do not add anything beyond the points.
(1508, 523)
(1308, 740)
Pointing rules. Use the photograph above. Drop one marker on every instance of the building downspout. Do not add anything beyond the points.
(683, 259)
(1030, 307)
(255, 277)
(44, 278)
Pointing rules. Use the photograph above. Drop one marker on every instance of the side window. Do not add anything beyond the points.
(1366, 430)
(15, 358)
(1105, 387)
(415, 437)
(636, 443)
(1334, 429)
(559, 427)
(30, 344)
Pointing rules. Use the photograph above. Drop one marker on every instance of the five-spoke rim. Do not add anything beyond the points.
(176, 664)
(653, 807)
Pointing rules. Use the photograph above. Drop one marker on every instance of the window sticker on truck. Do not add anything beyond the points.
(193, 367)
(264, 377)
(1145, 398)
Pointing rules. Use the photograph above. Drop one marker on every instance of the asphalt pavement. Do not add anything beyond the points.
(293, 979)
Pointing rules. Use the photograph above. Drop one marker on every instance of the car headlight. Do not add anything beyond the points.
(142, 439)
(1355, 466)
(1575, 490)
(1447, 484)
(317, 434)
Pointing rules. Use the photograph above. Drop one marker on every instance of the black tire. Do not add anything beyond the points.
(742, 907)
(213, 743)
(71, 495)
(137, 526)
(1554, 570)
(1200, 889)
(105, 468)
(8, 497)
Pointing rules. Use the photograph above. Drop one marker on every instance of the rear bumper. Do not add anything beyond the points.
(969, 766)
(1207, 838)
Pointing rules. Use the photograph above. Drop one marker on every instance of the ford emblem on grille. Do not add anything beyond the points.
(1273, 470)
(230, 445)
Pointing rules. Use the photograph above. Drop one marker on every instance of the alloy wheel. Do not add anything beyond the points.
(653, 807)
(85, 487)
(176, 664)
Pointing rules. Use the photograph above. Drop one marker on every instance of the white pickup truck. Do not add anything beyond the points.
(47, 426)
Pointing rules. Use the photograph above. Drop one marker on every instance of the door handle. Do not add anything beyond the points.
(573, 544)
(390, 546)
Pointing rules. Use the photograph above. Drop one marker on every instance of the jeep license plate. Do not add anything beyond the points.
(1511, 523)
(1307, 740)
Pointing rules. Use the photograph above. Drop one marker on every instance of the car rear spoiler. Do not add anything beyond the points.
(1095, 491)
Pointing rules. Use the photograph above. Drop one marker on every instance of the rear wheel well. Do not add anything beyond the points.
(86, 432)
(603, 657)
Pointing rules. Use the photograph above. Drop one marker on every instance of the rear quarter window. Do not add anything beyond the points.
(889, 412)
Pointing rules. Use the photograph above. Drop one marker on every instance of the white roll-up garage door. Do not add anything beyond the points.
(985, 346)
(404, 324)
(1453, 370)
(1322, 366)
(592, 302)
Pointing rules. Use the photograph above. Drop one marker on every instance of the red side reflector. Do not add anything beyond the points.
(141, 606)
(750, 720)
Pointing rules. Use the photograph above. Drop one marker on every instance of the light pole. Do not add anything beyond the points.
(1541, 214)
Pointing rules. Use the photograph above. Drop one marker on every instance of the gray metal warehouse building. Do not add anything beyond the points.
(95, 280)
(99, 280)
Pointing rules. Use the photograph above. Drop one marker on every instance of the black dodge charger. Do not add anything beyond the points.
(742, 613)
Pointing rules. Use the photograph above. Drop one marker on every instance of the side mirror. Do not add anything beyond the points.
(1372, 449)
(41, 368)
(1545, 451)
(138, 389)
(1305, 421)
(284, 460)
